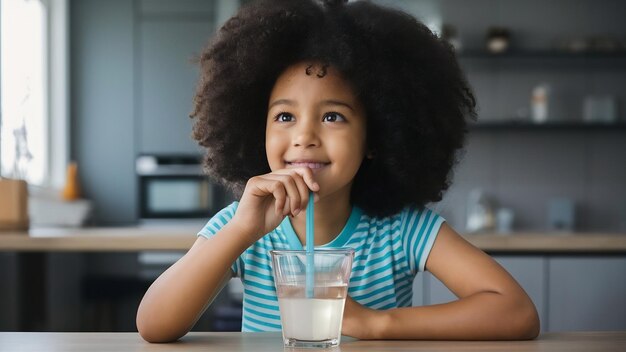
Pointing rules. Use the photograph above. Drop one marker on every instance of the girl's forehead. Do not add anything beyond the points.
(311, 69)
(312, 74)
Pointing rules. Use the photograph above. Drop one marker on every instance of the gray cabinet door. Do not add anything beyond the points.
(102, 104)
(419, 289)
(9, 296)
(167, 81)
(587, 293)
(527, 270)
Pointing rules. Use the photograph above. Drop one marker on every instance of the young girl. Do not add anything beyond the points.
(365, 107)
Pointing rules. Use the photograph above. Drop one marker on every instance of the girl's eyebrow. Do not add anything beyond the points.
(282, 102)
(337, 102)
(325, 102)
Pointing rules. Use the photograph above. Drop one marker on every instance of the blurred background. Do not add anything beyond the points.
(95, 99)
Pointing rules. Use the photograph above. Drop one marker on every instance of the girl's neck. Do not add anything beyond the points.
(331, 215)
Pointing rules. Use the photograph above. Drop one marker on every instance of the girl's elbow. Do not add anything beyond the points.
(155, 334)
(154, 331)
(149, 335)
(533, 327)
(528, 325)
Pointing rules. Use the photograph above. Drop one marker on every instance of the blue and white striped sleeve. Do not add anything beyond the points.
(215, 224)
(419, 230)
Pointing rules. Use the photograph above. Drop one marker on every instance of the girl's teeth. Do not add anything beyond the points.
(309, 165)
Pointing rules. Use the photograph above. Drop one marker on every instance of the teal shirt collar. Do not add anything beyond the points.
(337, 242)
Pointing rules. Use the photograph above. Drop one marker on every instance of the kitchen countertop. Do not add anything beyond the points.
(180, 238)
(258, 342)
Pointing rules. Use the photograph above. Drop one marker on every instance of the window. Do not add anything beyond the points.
(24, 110)
(34, 99)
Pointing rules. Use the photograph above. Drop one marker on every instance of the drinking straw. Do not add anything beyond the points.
(310, 263)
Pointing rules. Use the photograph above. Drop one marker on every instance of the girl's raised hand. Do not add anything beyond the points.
(268, 198)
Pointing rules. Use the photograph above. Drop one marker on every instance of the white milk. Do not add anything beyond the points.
(311, 319)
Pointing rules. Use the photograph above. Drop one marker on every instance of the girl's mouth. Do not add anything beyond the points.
(313, 165)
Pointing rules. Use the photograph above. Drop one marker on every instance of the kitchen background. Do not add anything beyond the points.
(132, 85)
(131, 89)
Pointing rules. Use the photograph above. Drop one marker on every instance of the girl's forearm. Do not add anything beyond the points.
(482, 316)
(175, 301)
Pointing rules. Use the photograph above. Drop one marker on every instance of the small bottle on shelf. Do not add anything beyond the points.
(539, 103)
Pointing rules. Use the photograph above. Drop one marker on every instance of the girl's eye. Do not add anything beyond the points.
(284, 117)
(333, 117)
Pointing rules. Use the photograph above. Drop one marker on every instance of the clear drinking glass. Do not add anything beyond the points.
(313, 321)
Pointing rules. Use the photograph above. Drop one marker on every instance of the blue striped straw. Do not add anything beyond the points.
(310, 262)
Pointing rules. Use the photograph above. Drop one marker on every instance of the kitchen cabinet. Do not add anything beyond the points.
(103, 106)
(571, 293)
(169, 37)
(9, 298)
(587, 293)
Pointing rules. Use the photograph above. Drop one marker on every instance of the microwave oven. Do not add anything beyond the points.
(174, 187)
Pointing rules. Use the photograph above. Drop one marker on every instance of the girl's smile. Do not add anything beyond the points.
(316, 121)
(315, 166)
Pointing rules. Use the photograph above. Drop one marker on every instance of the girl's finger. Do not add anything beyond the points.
(293, 193)
(303, 189)
(287, 208)
(276, 189)
(307, 175)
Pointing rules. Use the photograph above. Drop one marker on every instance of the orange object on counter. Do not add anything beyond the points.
(72, 188)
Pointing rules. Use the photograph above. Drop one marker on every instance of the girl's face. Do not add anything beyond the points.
(314, 120)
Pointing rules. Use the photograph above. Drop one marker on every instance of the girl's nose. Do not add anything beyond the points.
(306, 136)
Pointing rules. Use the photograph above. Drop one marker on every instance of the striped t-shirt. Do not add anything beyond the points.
(389, 251)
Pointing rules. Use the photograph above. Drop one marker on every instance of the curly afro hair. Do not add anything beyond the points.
(416, 97)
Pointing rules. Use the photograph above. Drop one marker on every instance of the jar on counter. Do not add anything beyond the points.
(480, 213)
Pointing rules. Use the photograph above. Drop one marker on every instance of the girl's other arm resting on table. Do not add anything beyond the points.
(177, 299)
(491, 304)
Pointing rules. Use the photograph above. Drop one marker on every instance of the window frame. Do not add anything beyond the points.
(58, 91)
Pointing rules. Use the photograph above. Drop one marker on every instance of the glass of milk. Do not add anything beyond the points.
(312, 321)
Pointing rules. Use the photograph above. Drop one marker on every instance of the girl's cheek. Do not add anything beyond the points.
(274, 155)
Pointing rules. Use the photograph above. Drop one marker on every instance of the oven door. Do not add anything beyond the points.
(176, 196)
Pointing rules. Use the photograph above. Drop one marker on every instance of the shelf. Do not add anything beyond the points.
(542, 54)
(548, 126)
